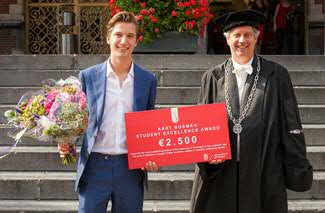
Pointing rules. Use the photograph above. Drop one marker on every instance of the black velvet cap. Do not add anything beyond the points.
(240, 18)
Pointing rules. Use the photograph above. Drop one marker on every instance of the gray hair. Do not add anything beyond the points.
(256, 33)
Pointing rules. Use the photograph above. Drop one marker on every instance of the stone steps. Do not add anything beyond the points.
(162, 186)
(310, 114)
(152, 61)
(181, 95)
(188, 95)
(46, 158)
(193, 77)
(314, 134)
(171, 206)
(165, 77)
(62, 206)
(60, 185)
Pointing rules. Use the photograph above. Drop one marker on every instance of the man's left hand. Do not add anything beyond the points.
(151, 167)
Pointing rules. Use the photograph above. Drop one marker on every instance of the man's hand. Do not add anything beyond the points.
(65, 148)
(216, 161)
(151, 167)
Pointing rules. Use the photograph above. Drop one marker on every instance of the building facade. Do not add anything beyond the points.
(78, 26)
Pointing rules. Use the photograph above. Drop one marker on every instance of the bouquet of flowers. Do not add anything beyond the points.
(56, 113)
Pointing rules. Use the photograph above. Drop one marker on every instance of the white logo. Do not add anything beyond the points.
(174, 114)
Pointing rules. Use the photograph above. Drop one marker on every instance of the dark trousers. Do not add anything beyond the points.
(107, 177)
(284, 35)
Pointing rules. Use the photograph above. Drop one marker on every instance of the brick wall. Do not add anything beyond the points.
(11, 26)
(7, 40)
(4, 6)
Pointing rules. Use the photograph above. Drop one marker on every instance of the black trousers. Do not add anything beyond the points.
(284, 35)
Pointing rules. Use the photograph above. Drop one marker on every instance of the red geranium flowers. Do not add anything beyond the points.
(157, 16)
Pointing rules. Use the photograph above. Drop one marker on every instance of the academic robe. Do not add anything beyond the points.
(271, 157)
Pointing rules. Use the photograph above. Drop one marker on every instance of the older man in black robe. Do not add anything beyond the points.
(267, 142)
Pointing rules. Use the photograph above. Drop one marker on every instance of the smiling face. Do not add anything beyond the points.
(122, 39)
(242, 41)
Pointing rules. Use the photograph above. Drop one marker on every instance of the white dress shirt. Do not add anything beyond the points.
(241, 72)
(111, 138)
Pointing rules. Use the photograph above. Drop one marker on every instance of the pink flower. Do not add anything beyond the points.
(205, 21)
(30, 101)
(49, 100)
(52, 112)
(156, 30)
(152, 18)
(141, 38)
(193, 2)
(191, 24)
(52, 95)
(73, 98)
(144, 12)
(204, 3)
(174, 13)
(82, 100)
(139, 17)
(187, 4)
(196, 13)
(185, 24)
(143, 4)
(151, 10)
(48, 106)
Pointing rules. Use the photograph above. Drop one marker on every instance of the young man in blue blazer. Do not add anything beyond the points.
(113, 88)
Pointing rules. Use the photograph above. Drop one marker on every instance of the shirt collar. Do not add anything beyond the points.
(238, 66)
(110, 70)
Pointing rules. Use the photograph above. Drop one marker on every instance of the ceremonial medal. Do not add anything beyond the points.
(237, 129)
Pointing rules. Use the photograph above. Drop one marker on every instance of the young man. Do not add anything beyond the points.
(113, 88)
(267, 143)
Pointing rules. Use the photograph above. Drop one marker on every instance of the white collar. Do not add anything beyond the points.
(110, 70)
(247, 67)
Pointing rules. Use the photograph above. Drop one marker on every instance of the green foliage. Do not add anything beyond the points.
(157, 16)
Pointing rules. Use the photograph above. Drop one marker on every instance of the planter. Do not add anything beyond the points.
(170, 42)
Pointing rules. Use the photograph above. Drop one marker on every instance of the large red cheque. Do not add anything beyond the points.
(180, 135)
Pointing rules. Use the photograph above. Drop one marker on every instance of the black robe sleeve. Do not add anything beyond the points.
(207, 95)
(298, 172)
(208, 91)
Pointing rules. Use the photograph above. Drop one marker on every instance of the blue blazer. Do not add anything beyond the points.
(93, 82)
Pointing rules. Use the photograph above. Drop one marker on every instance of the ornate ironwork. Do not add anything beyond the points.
(92, 32)
(45, 25)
